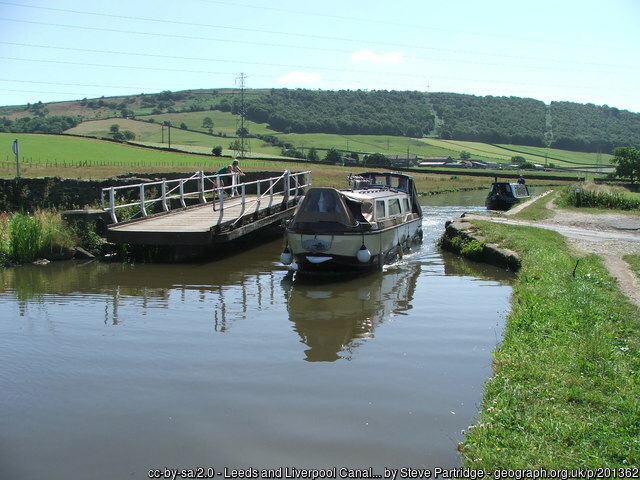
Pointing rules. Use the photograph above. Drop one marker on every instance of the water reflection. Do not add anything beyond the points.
(334, 318)
(212, 354)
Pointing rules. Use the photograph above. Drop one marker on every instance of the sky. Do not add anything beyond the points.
(583, 51)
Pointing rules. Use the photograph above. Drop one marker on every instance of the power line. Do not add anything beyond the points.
(297, 35)
(315, 14)
(420, 27)
(314, 67)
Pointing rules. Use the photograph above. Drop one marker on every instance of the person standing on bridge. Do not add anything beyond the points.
(234, 168)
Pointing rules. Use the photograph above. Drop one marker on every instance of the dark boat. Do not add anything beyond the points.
(504, 195)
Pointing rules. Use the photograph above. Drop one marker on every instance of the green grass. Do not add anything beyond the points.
(537, 210)
(25, 237)
(599, 197)
(71, 156)
(566, 388)
(227, 124)
(634, 264)
(561, 157)
(195, 142)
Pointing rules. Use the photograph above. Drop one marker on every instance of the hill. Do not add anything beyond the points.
(446, 116)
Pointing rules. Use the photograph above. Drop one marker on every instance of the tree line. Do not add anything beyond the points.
(487, 119)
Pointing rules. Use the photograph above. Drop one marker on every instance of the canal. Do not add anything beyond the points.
(111, 370)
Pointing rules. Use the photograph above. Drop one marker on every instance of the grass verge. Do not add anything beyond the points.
(566, 388)
(26, 237)
(634, 263)
(538, 209)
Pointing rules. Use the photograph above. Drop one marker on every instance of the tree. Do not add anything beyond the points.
(377, 160)
(183, 126)
(333, 156)
(628, 161)
(464, 155)
(207, 122)
(312, 155)
(518, 160)
(217, 150)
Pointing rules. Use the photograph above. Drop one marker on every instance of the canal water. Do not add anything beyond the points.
(112, 370)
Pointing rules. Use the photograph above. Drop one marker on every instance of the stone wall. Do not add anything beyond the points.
(491, 254)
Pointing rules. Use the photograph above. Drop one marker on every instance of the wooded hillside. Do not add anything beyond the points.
(347, 112)
(451, 116)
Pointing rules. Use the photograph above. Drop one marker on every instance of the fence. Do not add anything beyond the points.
(166, 193)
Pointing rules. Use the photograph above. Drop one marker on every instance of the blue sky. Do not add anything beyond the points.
(564, 50)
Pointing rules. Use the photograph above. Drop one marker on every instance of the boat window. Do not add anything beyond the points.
(381, 211)
(394, 206)
(521, 190)
(407, 208)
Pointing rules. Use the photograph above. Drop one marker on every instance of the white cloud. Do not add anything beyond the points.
(371, 57)
(301, 78)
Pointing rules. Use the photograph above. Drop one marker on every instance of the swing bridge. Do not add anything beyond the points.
(200, 210)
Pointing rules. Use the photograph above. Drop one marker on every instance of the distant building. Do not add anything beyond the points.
(403, 160)
(443, 159)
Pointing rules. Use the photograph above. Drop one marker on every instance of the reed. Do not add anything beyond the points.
(4, 238)
(25, 238)
(590, 196)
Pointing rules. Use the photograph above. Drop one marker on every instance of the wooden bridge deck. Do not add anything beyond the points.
(201, 225)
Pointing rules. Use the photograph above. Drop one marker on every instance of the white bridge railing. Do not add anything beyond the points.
(201, 186)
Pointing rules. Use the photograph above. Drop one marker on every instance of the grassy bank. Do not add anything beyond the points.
(43, 234)
(634, 264)
(566, 388)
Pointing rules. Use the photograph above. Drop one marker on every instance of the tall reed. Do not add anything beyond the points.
(589, 197)
(4, 238)
(25, 238)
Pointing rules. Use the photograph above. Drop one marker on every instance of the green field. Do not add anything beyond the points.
(198, 139)
(154, 134)
(66, 156)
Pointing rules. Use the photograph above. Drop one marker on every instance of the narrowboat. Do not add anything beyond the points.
(504, 195)
(372, 223)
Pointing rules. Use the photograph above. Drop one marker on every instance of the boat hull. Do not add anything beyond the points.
(338, 252)
(501, 202)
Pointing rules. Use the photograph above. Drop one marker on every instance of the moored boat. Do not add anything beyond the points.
(360, 228)
(504, 195)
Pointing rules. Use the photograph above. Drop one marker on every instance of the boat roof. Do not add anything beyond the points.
(371, 193)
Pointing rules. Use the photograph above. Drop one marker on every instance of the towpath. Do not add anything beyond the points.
(609, 235)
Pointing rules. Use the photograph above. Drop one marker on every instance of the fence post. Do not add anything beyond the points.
(165, 207)
(142, 209)
(220, 190)
(234, 184)
(201, 187)
(287, 186)
(112, 205)
(184, 205)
